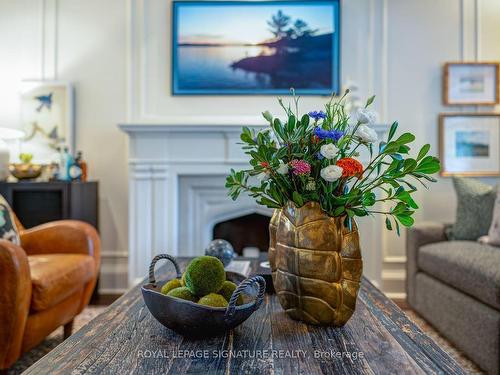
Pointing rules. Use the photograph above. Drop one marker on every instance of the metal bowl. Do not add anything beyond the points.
(23, 171)
(191, 319)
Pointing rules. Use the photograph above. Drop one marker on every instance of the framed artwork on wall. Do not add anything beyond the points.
(469, 144)
(471, 83)
(256, 47)
(47, 116)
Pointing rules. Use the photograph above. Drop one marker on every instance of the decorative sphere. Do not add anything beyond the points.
(204, 275)
(221, 249)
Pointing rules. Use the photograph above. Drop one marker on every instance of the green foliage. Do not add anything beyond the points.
(385, 186)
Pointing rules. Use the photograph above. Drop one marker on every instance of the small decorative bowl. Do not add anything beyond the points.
(25, 171)
(193, 320)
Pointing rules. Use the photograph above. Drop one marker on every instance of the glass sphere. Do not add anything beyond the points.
(221, 249)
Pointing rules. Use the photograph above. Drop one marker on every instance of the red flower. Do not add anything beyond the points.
(315, 139)
(264, 164)
(300, 167)
(350, 167)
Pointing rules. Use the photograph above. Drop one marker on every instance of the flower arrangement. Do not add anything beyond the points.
(313, 157)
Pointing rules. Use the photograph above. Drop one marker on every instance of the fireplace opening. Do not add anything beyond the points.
(248, 231)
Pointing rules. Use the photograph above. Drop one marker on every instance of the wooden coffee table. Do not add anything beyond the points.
(379, 339)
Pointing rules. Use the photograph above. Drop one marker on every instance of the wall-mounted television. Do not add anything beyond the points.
(256, 47)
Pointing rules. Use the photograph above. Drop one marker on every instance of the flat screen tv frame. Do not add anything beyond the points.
(336, 56)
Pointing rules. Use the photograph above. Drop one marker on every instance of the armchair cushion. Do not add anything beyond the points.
(55, 277)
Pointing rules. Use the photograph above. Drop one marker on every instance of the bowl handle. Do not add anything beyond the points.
(156, 259)
(231, 307)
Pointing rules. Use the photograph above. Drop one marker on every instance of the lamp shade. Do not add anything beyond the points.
(9, 133)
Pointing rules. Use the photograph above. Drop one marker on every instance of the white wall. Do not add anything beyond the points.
(118, 51)
(85, 43)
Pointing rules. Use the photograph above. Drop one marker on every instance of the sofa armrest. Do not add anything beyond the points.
(63, 236)
(417, 236)
(15, 300)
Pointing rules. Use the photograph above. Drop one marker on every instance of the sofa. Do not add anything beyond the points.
(455, 286)
(46, 282)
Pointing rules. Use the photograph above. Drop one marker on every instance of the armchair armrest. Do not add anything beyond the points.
(64, 236)
(15, 299)
(417, 236)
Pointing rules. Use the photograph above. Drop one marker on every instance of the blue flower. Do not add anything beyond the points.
(317, 115)
(319, 156)
(332, 134)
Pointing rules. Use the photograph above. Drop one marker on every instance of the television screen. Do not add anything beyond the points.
(256, 47)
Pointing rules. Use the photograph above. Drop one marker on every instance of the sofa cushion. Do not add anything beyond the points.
(54, 277)
(475, 202)
(468, 266)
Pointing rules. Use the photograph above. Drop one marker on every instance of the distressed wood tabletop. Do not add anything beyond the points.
(379, 339)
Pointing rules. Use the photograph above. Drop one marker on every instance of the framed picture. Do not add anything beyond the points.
(256, 47)
(470, 144)
(47, 115)
(471, 84)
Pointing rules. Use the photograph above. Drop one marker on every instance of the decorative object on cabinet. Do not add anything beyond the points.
(470, 144)
(471, 83)
(7, 134)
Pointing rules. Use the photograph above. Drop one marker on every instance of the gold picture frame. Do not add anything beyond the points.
(466, 151)
(472, 88)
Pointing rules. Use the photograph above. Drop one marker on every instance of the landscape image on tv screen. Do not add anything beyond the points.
(261, 47)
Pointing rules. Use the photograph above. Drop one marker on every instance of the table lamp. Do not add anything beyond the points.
(7, 134)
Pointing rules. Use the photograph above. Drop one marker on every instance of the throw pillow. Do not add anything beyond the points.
(475, 201)
(8, 230)
(494, 232)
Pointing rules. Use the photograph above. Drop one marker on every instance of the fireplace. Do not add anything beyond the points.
(245, 231)
(178, 202)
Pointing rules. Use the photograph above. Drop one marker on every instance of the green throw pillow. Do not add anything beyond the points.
(475, 202)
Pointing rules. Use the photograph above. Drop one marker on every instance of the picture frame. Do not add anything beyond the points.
(47, 117)
(469, 144)
(471, 83)
(225, 61)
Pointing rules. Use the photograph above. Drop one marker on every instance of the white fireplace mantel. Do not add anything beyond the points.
(177, 194)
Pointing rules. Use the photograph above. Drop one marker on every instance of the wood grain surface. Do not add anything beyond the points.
(379, 339)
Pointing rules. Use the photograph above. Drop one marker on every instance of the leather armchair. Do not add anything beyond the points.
(45, 283)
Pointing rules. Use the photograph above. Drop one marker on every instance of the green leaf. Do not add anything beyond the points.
(338, 211)
(268, 202)
(423, 151)
(428, 165)
(297, 199)
(409, 165)
(305, 121)
(291, 123)
(388, 223)
(405, 138)
(392, 131)
(406, 220)
(370, 101)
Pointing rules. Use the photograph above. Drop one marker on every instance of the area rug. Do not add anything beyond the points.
(92, 311)
(54, 339)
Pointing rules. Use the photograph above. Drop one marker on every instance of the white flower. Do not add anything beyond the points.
(282, 168)
(365, 116)
(331, 173)
(366, 134)
(329, 151)
(311, 185)
(263, 176)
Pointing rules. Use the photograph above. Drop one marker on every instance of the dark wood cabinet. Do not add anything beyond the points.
(40, 202)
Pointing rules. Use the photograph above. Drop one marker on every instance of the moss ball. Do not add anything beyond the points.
(182, 293)
(205, 275)
(213, 300)
(172, 284)
(227, 290)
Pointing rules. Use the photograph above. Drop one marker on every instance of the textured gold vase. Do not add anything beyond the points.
(316, 264)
